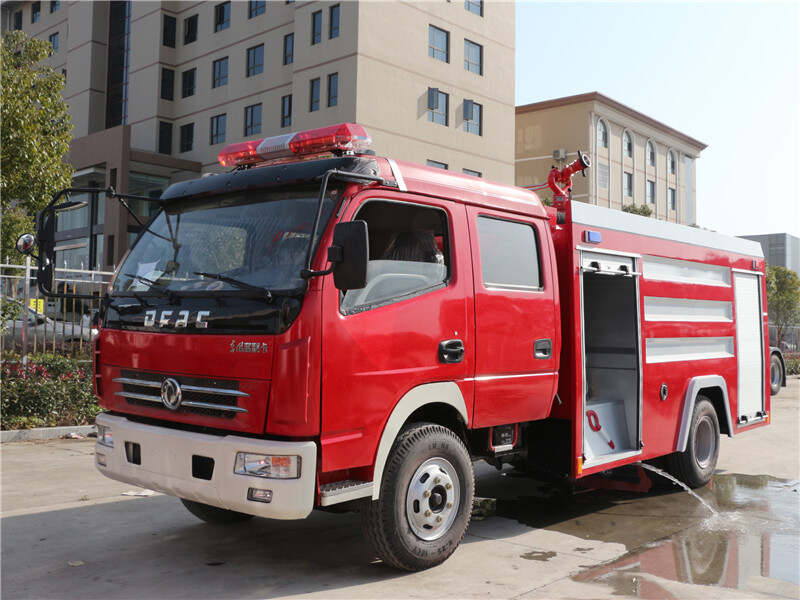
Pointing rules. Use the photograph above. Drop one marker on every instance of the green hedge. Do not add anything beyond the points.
(49, 391)
(792, 363)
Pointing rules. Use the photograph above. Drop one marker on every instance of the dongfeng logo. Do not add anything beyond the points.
(171, 393)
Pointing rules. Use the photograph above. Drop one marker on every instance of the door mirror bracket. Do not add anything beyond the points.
(348, 256)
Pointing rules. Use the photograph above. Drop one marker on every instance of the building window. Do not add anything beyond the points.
(316, 27)
(217, 129)
(671, 162)
(473, 57)
(189, 29)
(255, 60)
(54, 41)
(436, 164)
(256, 7)
(167, 83)
(651, 155)
(164, 137)
(288, 49)
(672, 201)
(602, 135)
(509, 254)
(188, 83)
(170, 27)
(333, 21)
(651, 192)
(219, 75)
(118, 61)
(627, 144)
(473, 117)
(286, 111)
(437, 106)
(36, 12)
(187, 137)
(18, 20)
(627, 184)
(474, 6)
(54, 5)
(252, 119)
(471, 172)
(333, 89)
(438, 44)
(222, 16)
(313, 95)
(602, 176)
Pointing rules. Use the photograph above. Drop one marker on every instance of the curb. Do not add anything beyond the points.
(44, 433)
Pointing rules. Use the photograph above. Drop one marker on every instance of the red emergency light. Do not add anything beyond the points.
(337, 139)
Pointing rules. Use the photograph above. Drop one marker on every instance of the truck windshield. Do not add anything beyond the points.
(241, 241)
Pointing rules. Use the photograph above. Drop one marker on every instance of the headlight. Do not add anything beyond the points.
(104, 436)
(269, 466)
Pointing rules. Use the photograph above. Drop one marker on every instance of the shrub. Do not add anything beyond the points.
(49, 391)
(792, 363)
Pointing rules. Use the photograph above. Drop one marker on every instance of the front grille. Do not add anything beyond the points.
(200, 396)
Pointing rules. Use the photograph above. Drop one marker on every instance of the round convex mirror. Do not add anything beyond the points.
(25, 243)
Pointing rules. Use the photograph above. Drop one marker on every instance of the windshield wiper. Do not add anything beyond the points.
(152, 284)
(243, 285)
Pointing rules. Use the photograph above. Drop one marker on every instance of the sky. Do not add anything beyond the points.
(724, 73)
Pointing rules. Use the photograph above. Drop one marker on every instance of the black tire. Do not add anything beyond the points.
(214, 515)
(775, 374)
(695, 465)
(420, 449)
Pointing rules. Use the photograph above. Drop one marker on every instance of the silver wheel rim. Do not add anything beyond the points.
(775, 373)
(704, 442)
(432, 499)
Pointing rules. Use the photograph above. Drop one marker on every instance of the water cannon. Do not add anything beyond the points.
(560, 180)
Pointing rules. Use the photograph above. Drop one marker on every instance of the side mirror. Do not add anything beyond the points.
(349, 255)
(25, 243)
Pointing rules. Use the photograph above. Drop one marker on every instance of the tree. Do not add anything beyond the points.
(783, 299)
(642, 210)
(35, 131)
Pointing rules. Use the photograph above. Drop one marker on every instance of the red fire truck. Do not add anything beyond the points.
(321, 326)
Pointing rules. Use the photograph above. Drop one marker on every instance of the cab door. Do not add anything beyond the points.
(516, 328)
(384, 340)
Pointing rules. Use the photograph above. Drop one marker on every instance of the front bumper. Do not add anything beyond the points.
(166, 466)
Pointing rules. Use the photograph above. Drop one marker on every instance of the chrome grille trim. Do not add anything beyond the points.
(186, 388)
(188, 403)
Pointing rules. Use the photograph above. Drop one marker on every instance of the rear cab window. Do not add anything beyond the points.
(509, 254)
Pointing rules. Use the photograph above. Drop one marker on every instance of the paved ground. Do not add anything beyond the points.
(68, 532)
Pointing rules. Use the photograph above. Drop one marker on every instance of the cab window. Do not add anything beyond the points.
(409, 254)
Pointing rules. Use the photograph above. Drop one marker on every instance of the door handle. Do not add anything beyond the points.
(451, 351)
(543, 348)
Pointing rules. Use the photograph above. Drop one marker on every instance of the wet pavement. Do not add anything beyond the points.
(752, 545)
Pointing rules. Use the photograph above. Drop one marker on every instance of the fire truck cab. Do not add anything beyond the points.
(321, 326)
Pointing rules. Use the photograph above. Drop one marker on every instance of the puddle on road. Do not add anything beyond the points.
(752, 545)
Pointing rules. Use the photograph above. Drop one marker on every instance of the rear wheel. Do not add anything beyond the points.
(425, 499)
(775, 374)
(695, 465)
(213, 514)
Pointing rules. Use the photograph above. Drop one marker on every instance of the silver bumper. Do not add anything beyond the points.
(166, 466)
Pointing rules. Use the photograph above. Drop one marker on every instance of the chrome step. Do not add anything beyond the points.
(343, 491)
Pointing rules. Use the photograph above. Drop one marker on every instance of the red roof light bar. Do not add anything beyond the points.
(344, 137)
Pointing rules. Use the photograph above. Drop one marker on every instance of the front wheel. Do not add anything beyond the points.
(695, 465)
(775, 374)
(213, 514)
(425, 499)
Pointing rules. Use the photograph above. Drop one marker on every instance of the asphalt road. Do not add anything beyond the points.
(68, 532)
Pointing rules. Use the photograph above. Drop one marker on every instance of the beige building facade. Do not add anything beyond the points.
(635, 159)
(157, 89)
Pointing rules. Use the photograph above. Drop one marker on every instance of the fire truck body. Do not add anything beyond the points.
(569, 339)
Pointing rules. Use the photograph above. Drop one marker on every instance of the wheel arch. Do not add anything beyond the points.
(440, 403)
(715, 388)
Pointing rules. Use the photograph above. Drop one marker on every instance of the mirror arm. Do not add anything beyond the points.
(307, 272)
